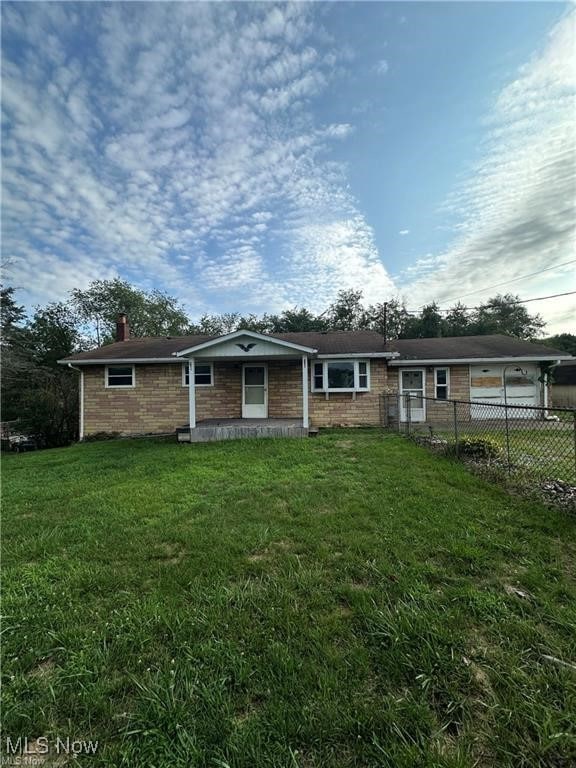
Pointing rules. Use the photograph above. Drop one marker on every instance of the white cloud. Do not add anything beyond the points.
(404, 232)
(517, 210)
(382, 67)
(181, 151)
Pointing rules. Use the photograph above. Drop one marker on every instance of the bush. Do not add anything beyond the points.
(479, 448)
(97, 436)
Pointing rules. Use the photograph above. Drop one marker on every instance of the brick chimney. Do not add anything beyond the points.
(122, 328)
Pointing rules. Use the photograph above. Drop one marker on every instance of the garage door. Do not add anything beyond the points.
(487, 386)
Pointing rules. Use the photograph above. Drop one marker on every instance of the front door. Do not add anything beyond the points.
(254, 392)
(412, 388)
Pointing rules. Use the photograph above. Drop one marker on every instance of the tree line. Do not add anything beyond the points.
(42, 396)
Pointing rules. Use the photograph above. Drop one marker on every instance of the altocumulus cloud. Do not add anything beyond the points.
(175, 144)
(517, 210)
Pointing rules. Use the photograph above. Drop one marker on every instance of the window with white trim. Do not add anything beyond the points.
(340, 376)
(203, 375)
(441, 383)
(119, 376)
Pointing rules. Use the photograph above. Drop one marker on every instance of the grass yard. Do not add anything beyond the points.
(546, 452)
(349, 600)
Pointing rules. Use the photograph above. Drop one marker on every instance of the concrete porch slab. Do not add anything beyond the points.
(210, 430)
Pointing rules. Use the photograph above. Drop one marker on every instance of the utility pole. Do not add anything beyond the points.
(385, 322)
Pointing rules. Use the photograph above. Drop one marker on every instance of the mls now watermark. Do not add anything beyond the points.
(24, 751)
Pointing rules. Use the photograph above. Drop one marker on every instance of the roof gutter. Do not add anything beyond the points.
(456, 360)
(120, 360)
(389, 355)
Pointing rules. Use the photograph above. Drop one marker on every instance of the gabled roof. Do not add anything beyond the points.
(165, 348)
(470, 348)
(278, 342)
(334, 343)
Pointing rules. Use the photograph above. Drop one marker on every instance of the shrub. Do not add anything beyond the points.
(96, 436)
(478, 448)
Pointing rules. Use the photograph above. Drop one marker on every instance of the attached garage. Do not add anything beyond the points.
(487, 386)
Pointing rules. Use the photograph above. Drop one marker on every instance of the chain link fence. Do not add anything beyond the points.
(535, 441)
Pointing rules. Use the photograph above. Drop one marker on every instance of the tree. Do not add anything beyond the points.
(458, 321)
(296, 320)
(14, 352)
(42, 395)
(347, 312)
(563, 341)
(150, 313)
(11, 313)
(54, 333)
(505, 314)
(388, 318)
(429, 324)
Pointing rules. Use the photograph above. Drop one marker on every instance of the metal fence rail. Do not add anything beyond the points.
(532, 440)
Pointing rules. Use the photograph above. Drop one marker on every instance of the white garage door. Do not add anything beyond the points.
(487, 386)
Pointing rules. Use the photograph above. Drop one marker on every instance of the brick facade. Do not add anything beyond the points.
(158, 403)
(348, 408)
(459, 389)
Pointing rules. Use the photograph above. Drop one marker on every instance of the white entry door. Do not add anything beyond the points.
(412, 385)
(254, 392)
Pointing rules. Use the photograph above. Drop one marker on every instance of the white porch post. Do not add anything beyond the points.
(191, 395)
(305, 391)
(81, 430)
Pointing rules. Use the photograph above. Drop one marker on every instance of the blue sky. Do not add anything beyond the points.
(257, 156)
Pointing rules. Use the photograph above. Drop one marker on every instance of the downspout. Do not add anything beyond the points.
(545, 384)
(81, 397)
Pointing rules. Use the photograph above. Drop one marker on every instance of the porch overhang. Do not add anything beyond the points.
(242, 345)
(250, 348)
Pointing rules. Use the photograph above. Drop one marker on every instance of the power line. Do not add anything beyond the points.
(513, 280)
(519, 301)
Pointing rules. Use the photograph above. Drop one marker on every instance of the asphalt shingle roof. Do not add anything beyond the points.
(338, 343)
(333, 342)
(481, 347)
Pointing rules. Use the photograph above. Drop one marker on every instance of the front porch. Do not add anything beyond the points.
(209, 430)
(245, 374)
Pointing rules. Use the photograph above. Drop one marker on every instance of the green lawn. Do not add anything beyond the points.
(546, 452)
(349, 600)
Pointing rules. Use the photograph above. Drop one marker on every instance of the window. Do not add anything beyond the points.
(203, 375)
(119, 376)
(318, 377)
(441, 383)
(340, 376)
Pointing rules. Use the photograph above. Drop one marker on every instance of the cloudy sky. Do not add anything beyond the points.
(257, 156)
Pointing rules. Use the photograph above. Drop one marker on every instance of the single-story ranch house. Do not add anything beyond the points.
(290, 382)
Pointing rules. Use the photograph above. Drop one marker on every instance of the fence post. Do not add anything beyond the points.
(574, 430)
(399, 411)
(408, 413)
(507, 437)
(455, 405)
